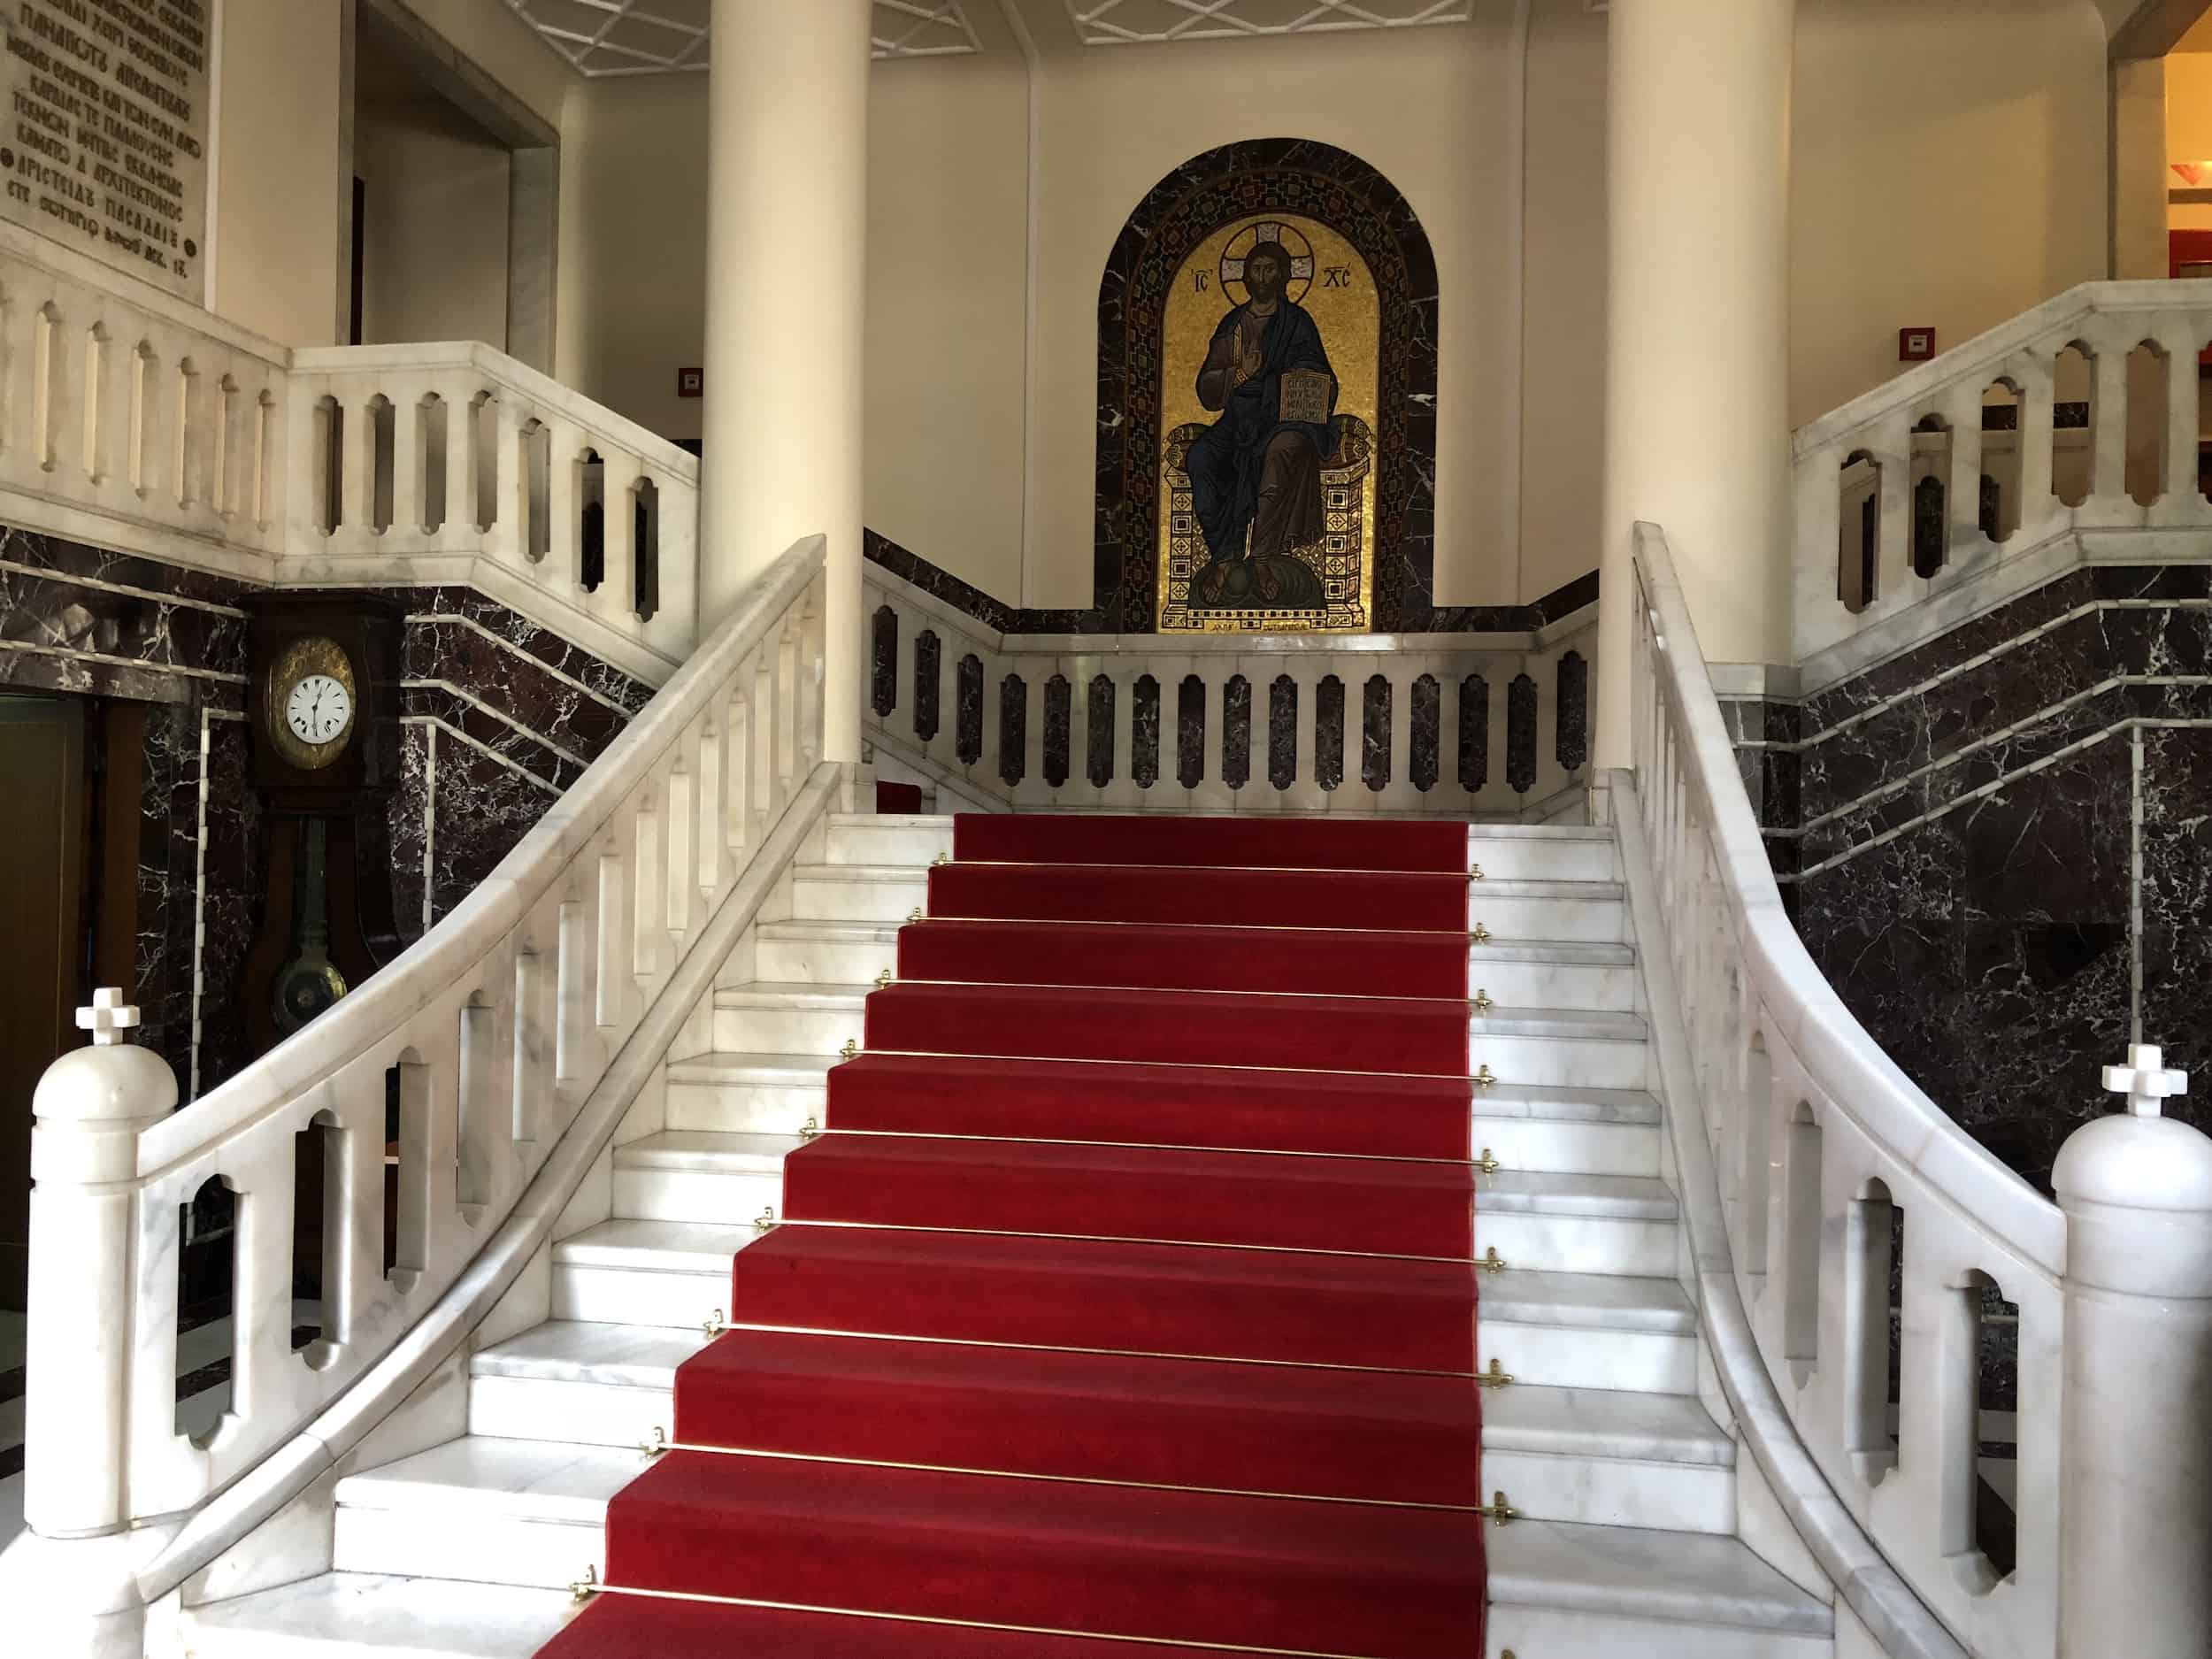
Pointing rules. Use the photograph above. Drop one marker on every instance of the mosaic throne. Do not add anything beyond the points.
(1335, 557)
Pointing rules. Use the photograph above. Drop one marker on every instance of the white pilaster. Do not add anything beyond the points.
(1697, 328)
(786, 224)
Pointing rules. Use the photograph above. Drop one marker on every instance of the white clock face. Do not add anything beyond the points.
(318, 709)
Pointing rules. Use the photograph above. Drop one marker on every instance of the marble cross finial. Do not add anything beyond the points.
(108, 1018)
(2144, 1080)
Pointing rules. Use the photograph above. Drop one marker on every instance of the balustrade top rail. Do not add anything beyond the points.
(489, 1041)
(1442, 723)
(1901, 497)
(1837, 1050)
(130, 419)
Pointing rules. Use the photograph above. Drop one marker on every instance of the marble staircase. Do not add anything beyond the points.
(1624, 1485)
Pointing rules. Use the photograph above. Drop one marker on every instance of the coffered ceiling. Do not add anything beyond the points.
(644, 37)
(1120, 22)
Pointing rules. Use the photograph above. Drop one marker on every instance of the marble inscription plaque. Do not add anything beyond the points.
(105, 147)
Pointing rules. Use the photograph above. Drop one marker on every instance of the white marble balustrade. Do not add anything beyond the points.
(2126, 485)
(914, 716)
(129, 419)
(1815, 1142)
(500, 1024)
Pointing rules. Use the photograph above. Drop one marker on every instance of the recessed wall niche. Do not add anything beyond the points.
(1208, 522)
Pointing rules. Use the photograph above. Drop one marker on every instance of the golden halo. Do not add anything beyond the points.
(1275, 230)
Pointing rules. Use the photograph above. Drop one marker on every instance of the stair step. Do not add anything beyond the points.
(1329, 961)
(693, 1175)
(1580, 1592)
(1588, 1330)
(739, 1092)
(825, 952)
(857, 893)
(1380, 1436)
(1297, 1307)
(1275, 1200)
(888, 838)
(490, 1511)
(1104, 1101)
(1145, 1561)
(1610, 1458)
(595, 1385)
(1577, 911)
(632, 1624)
(631, 1272)
(1159, 841)
(789, 1016)
(343, 1615)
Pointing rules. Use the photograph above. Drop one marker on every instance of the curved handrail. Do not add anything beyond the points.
(517, 1028)
(1838, 1051)
(1800, 1142)
(387, 1000)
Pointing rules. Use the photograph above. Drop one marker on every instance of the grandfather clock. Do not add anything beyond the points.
(322, 707)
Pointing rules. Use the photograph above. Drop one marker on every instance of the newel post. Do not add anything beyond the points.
(2135, 1460)
(75, 1562)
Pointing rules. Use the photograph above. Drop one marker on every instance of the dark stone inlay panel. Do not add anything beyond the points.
(883, 661)
(1570, 743)
(1474, 733)
(1013, 729)
(971, 601)
(1375, 733)
(1930, 529)
(928, 671)
(1190, 732)
(1236, 732)
(1098, 733)
(1282, 732)
(1328, 731)
(1989, 950)
(1426, 720)
(967, 712)
(1057, 722)
(1144, 731)
(1520, 734)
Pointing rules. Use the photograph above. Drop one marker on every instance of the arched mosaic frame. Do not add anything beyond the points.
(1257, 176)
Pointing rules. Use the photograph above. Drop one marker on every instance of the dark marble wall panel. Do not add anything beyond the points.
(83, 621)
(1957, 830)
(1144, 732)
(1236, 732)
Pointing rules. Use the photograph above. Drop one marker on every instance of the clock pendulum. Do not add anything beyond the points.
(309, 981)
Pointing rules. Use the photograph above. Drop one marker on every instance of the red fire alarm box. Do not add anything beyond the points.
(1916, 345)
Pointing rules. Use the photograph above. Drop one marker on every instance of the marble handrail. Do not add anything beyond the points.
(133, 421)
(1819, 1143)
(481, 1055)
(1400, 724)
(1898, 492)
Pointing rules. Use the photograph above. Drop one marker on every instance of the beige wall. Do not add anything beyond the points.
(1563, 392)
(277, 201)
(948, 256)
(434, 252)
(1949, 170)
(946, 186)
(1425, 107)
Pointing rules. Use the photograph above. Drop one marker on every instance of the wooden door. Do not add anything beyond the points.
(41, 824)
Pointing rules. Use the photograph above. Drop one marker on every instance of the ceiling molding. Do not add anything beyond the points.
(605, 38)
(1134, 22)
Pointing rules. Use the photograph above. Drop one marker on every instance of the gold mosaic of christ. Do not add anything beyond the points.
(1269, 408)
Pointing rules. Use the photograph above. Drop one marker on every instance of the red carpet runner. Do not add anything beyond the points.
(1121, 1301)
